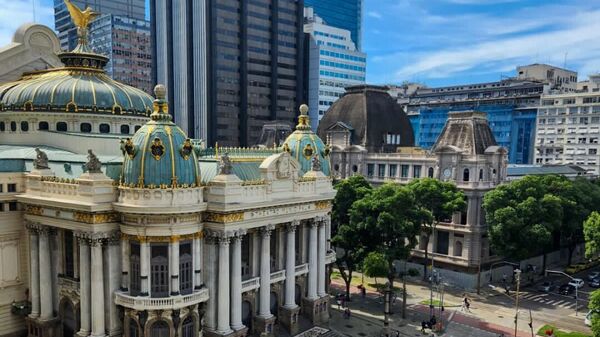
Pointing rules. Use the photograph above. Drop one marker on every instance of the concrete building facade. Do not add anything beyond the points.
(334, 63)
(233, 65)
(568, 128)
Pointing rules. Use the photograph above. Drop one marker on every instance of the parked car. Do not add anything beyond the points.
(595, 283)
(566, 289)
(577, 283)
(593, 275)
(547, 287)
(588, 318)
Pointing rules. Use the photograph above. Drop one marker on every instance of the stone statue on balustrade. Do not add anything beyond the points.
(41, 160)
(93, 164)
(225, 166)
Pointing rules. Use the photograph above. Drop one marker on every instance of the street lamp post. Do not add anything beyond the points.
(431, 276)
(518, 279)
(386, 310)
(571, 278)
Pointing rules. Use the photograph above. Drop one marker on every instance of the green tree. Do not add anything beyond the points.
(594, 306)
(391, 219)
(524, 216)
(591, 230)
(348, 238)
(375, 265)
(441, 199)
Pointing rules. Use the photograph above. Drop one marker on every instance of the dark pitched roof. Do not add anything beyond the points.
(372, 113)
(468, 131)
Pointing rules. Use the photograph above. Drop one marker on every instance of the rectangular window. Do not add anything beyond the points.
(69, 254)
(370, 170)
(1, 188)
(12, 206)
(393, 170)
(159, 270)
(404, 171)
(135, 280)
(186, 268)
(381, 170)
(417, 171)
(11, 188)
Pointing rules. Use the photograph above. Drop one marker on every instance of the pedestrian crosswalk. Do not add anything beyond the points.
(549, 299)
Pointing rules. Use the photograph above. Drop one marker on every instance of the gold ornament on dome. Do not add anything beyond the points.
(127, 147)
(81, 19)
(308, 151)
(186, 149)
(286, 148)
(157, 148)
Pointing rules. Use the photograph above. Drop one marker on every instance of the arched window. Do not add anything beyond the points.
(159, 268)
(186, 268)
(61, 126)
(187, 328)
(354, 168)
(480, 174)
(85, 127)
(2, 126)
(68, 319)
(160, 329)
(466, 174)
(24, 126)
(458, 248)
(13, 126)
(134, 330)
(125, 129)
(134, 270)
(136, 128)
(274, 303)
(104, 128)
(43, 126)
(336, 167)
(430, 172)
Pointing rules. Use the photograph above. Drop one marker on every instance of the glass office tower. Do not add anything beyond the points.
(345, 14)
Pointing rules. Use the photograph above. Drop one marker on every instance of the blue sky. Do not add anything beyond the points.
(443, 42)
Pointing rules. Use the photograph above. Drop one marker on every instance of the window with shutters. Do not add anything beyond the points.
(135, 280)
(186, 268)
(159, 269)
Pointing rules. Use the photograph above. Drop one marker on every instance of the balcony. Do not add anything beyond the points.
(251, 284)
(278, 276)
(163, 303)
(302, 269)
(330, 257)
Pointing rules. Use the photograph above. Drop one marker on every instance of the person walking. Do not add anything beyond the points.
(467, 304)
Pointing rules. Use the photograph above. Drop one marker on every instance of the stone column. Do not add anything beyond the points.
(236, 281)
(321, 268)
(197, 258)
(210, 277)
(112, 280)
(125, 263)
(174, 264)
(98, 321)
(144, 268)
(223, 288)
(327, 222)
(45, 276)
(290, 266)
(34, 278)
(312, 261)
(265, 273)
(56, 258)
(84, 286)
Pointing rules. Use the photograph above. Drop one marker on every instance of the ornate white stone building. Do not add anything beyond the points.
(157, 236)
(465, 153)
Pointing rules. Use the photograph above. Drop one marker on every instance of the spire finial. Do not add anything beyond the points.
(161, 109)
(82, 20)
(303, 119)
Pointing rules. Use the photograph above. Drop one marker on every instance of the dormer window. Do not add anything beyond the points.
(392, 139)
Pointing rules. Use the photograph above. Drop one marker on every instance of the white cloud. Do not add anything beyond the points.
(579, 38)
(374, 14)
(14, 13)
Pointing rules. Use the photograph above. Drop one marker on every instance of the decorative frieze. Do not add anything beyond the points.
(170, 238)
(322, 205)
(223, 217)
(93, 218)
(33, 210)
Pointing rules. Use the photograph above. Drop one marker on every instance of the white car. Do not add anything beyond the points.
(593, 275)
(577, 283)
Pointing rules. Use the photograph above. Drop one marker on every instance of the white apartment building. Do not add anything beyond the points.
(334, 64)
(568, 127)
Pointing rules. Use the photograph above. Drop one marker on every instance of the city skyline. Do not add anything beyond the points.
(530, 32)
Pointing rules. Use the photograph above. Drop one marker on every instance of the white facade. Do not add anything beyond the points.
(560, 79)
(334, 64)
(568, 129)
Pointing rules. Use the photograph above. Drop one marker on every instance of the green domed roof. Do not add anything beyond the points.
(80, 86)
(160, 154)
(303, 144)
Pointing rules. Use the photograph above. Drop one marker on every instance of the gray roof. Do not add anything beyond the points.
(372, 113)
(468, 131)
(523, 170)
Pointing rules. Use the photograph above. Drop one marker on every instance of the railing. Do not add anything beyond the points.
(302, 269)
(150, 303)
(278, 276)
(251, 284)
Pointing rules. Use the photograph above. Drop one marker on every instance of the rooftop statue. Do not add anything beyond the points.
(315, 163)
(93, 165)
(225, 166)
(81, 19)
(41, 160)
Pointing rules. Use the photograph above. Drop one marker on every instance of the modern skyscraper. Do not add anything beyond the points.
(345, 14)
(126, 42)
(333, 64)
(230, 65)
(67, 32)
